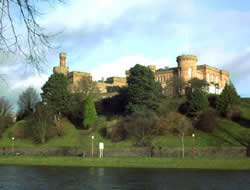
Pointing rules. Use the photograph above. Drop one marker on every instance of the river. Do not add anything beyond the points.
(64, 178)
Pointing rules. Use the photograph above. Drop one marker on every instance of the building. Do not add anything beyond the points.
(186, 69)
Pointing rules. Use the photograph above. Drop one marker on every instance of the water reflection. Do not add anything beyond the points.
(22, 177)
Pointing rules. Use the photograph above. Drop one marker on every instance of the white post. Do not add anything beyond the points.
(101, 148)
(92, 149)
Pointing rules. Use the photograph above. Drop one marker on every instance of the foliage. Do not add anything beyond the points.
(198, 83)
(6, 119)
(140, 126)
(228, 97)
(55, 93)
(41, 122)
(27, 102)
(75, 114)
(178, 124)
(174, 87)
(89, 112)
(143, 91)
(207, 121)
(118, 132)
(234, 113)
(86, 87)
(170, 104)
(198, 101)
(212, 99)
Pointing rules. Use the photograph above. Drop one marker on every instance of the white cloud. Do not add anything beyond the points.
(119, 66)
(35, 81)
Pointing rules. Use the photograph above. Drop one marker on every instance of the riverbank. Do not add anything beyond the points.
(178, 163)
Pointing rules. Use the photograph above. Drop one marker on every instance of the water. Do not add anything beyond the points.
(28, 178)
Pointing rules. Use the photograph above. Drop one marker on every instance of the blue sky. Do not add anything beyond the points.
(106, 37)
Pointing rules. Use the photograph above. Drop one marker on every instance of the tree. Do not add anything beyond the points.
(89, 112)
(31, 41)
(5, 114)
(55, 93)
(180, 125)
(198, 83)
(228, 97)
(41, 121)
(143, 91)
(27, 102)
(140, 126)
(198, 101)
(85, 87)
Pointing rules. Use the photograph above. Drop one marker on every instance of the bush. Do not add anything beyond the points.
(140, 126)
(177, 123)
(234, 113)
(103, 132)
(118, 132)
(212, 99)
(207, 121)
(89, 113)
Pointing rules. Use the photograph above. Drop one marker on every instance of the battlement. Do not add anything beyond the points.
(186, 57)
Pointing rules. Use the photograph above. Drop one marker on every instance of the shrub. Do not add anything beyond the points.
(212, 99)
(198, 101)
(118, 132)
(140, 126)
(89, 112)
(227, 98)
(161, 126)
(178, 124)
(207, 121)
(234, 113)
(103, 132)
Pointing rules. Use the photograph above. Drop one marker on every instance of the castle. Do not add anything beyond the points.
(186, 69)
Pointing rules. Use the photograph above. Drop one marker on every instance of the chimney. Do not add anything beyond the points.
(62, 59)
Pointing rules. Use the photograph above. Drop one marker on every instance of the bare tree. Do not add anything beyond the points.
(32, 42)
(5, 107)
(27, 102)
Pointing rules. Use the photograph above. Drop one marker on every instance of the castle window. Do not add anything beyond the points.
(216, 79)
(208, 77)
(190, 72)
(212, 78)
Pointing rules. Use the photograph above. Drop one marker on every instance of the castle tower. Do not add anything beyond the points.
(152, 68)
(62, 68)
(187, 66)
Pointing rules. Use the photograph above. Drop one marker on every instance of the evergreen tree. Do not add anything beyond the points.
(143, 91)
(198, 101)
(89, 112)
(55, 93)
(228, 97)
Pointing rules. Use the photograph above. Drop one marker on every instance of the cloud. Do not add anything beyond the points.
(119, 66)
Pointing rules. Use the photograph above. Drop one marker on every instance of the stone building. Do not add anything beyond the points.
(186, 69)
(112, 84)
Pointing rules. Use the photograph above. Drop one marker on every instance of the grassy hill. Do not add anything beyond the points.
(227, 133)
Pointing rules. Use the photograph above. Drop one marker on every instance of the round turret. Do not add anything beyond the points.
(187, 66)
(152, 68)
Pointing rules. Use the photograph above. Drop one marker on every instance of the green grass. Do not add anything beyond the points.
(227, 133)
(196, 163)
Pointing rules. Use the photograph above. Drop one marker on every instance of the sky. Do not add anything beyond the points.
(107, 37)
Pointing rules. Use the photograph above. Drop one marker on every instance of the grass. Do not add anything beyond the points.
(196, 163)
(227, 133)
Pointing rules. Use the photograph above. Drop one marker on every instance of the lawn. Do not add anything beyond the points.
(196, 163)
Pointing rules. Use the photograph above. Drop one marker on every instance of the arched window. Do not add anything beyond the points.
(208, 77)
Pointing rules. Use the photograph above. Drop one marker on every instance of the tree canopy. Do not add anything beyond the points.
(228, 97)
(143, 91)
(55, 93)
(198, 101)
(89, 112)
